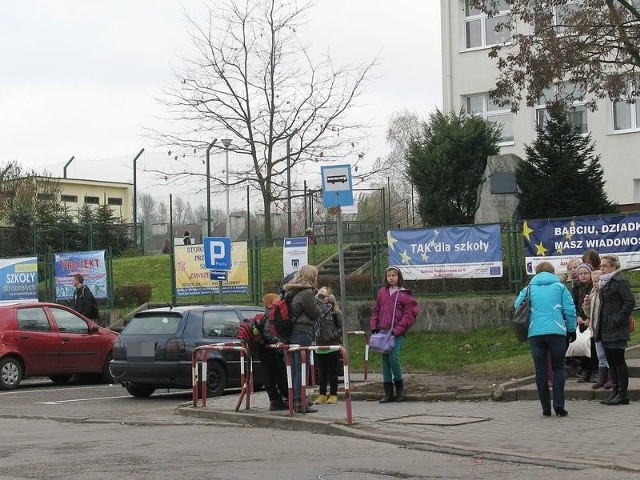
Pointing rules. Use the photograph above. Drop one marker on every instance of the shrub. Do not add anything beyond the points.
(131, 295)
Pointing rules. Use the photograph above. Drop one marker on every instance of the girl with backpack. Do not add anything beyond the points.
(328, 332)
(395, 309)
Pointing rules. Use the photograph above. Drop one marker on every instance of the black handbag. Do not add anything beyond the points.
(522, 317)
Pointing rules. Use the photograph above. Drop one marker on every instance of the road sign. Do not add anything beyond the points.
(217, 253)
(219, 275)
(337, 190)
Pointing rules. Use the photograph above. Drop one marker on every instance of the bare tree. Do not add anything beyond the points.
(147, 211)
(254, 81)
(180, 211)
(591, 45)
(163, 212)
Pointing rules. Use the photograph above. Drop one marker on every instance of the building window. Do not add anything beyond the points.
(92, 200)
(114, 201)
(626, 116)
(480, 30)
(483, 105)
(576, 112)
(69, 198)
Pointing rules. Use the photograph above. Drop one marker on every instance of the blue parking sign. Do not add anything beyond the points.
(217, 253)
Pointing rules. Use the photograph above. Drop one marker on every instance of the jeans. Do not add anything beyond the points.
(328, 367)
(554, 347)
(391, 367)
(303, 339)
(602, 358)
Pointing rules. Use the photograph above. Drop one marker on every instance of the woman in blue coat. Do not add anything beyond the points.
(553, 317)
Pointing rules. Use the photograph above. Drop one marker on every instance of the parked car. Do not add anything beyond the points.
(46, 339)
(155, 349)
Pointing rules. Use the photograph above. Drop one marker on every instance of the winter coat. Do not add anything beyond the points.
(303, 309)
(83, 302)
(406, 311)
(616, 303)
(552, 308)
(329, 326)
(593, 310)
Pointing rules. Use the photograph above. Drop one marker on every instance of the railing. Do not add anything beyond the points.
(303, 374)
(199, 371)
(366, 349)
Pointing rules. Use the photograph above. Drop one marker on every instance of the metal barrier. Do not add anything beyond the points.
(366, 350)
(199, 371)
(303, 374)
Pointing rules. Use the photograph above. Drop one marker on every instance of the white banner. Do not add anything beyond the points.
(294, 254)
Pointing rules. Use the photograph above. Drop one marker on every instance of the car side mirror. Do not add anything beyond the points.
(94, 328)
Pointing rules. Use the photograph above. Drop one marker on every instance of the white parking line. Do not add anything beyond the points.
(60, 402)
(48, 389)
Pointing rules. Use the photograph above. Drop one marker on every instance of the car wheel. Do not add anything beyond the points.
(105, 376)
(59, 379)
(216, 379)
(10, 373)
(140, 391)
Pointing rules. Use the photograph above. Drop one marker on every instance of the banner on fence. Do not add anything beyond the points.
(294, 254)
(447, 252)
(18, 279)
(91, 265)
(193, 278)
(559, 240)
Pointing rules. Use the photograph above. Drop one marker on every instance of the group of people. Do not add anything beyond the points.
(317, 320)
(599, 300)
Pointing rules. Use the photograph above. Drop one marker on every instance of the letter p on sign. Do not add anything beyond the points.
(217, 253)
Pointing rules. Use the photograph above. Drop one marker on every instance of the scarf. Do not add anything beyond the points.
(604, 278)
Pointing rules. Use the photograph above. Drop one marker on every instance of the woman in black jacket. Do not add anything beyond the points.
(616, 304)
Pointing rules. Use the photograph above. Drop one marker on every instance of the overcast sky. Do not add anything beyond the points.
(77, 77)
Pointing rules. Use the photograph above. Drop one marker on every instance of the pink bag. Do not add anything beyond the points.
(383, 342)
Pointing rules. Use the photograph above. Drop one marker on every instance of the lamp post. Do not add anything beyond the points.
(135, 192)
(64, 170)
(227, 143)
(209, 188)
(289, 181)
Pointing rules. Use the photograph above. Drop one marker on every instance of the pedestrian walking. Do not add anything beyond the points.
(553, 318)
(394, 305)
(83, 300)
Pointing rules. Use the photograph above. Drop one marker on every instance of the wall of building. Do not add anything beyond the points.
(470, 71)
(106, 193)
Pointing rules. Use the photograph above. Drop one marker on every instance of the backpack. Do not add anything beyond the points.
(280, 322)
(250, 331)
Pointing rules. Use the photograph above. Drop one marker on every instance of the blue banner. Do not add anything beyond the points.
(91, 265)
(456, 252)
(18, 279)
(560, 240)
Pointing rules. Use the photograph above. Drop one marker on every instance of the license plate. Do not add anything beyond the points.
(141, 349)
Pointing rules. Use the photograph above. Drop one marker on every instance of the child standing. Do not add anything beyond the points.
(328, 332)
(395, 306)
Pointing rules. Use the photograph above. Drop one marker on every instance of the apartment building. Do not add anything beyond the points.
(469, 74)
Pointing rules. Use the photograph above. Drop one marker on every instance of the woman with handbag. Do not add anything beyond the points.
(616, 304)
(394, 312)
(548, 328)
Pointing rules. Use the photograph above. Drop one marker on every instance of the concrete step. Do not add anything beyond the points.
(573, 391)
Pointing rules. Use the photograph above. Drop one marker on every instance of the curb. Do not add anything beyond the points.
(328, 427)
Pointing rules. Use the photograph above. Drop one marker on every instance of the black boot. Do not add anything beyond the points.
(388, 393)
(400, 391)
(614, 394)
(585, 377)
(278, 405)
(623, 386)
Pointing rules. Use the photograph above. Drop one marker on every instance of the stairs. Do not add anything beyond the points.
(356, 259)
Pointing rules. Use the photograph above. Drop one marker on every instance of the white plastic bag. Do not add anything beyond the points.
(582, 346)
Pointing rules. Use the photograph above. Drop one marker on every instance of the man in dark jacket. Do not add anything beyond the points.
(83, 300)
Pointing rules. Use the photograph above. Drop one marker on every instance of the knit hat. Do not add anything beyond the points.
(585, 265)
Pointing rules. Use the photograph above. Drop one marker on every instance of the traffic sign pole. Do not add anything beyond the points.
(343, 289)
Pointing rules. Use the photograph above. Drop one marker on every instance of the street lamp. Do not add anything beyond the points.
(64, 170)
(227, 143)
(289, 181)
(135, 192)
(209, 188)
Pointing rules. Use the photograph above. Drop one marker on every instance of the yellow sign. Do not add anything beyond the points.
(193, 278)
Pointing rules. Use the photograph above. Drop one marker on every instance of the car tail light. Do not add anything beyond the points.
(117, 346)
(175, 345)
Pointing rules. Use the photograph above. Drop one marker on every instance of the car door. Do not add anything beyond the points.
(81, 351)
(38, 342)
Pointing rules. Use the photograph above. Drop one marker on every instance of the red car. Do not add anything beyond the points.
(46, 339)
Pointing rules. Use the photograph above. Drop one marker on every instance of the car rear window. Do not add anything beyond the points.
(220, 323)
(154, 324)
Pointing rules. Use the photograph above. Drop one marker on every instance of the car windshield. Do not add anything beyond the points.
(154, 324)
